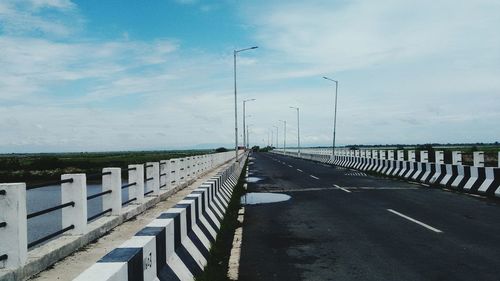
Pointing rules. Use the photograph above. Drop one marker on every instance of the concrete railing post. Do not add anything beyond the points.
(401, 155)
(439, 157)
(136, 175)
(14, 233)
(390, 154)
(112, 182)
(424, 156)
(478, 158)
(153, 173)
(382, 154)
(76, 192)
(374, 154)
(368, 154)
(456, 157)
(164, 176)
(411, 155)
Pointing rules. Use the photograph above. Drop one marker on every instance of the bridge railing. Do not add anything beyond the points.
(143, 182)
(432, 169)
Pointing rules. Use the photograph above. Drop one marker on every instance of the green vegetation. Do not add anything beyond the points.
(41, 167)
(218, 262)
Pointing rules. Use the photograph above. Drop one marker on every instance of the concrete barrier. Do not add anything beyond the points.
(472, 179)
(176, 245)
(162, 180)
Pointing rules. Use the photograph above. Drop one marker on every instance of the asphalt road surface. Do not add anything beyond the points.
(342, 224)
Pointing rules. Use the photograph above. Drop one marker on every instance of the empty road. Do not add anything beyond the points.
(342, 224)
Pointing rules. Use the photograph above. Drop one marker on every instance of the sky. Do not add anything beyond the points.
(94, 75)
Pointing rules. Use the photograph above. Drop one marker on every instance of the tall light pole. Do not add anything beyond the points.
(277, 131)
(244, 120)
(284, 135)
(298, 128)
(335, 113)
(272, 137)
(248, 135)
(235, 52)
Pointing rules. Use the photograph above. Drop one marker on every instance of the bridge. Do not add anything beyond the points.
(365, 214)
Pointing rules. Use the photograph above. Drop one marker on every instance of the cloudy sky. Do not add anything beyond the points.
(93, 75)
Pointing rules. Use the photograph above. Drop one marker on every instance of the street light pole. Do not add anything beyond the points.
(244, 120)
(298, 128)
(335, 113)
(235, 52)
(284, 136)
(272, 137)
(277, 131)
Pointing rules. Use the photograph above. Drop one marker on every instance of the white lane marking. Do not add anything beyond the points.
(290, 166)
(415, 221)
(300, 170)
(234, 258)
(314, 177)
(341, 188)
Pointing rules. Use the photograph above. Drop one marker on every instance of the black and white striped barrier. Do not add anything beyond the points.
(472, 179)
(176, 245)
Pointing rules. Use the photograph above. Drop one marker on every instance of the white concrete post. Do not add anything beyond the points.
(153, 172)
(181, 167)
(14, 235)
(136, 175)
(439, 157)
(368, 154)
(164, 176)
(401, 155)
(478, 158)
(390, 154)
(363, 153)
(382, 154)
(112, 182)
(375, 154)
(357, 153)
(411, 155)
(424, 156)
(76, 192)
(456, 157)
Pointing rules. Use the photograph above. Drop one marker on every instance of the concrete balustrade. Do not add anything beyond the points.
(456, 157)
(153, 173)
(113, 183)
(473, 179)
(478, 157)
(14, 235)
(400, 155)
(14, 262)
(76, 192)
(136, 178)
(439, 156)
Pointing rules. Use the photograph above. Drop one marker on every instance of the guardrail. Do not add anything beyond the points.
(144, 181)
(475, 178)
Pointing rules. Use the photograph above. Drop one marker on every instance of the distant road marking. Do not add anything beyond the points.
(314, 177)
(300, 170)
(415, 221)
(341, 188)
(290, 166)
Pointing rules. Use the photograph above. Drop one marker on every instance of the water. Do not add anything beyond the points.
(263, 198)
(50, 196)
(253, 179)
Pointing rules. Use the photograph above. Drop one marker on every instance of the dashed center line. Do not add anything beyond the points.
(415, 221)
(314, 177)
(341, 188)
(290, 166)
(300, 170)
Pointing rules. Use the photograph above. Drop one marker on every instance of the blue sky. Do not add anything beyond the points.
(117, 75)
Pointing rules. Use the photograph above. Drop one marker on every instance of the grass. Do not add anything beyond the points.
(42, 167)
(218, 262)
